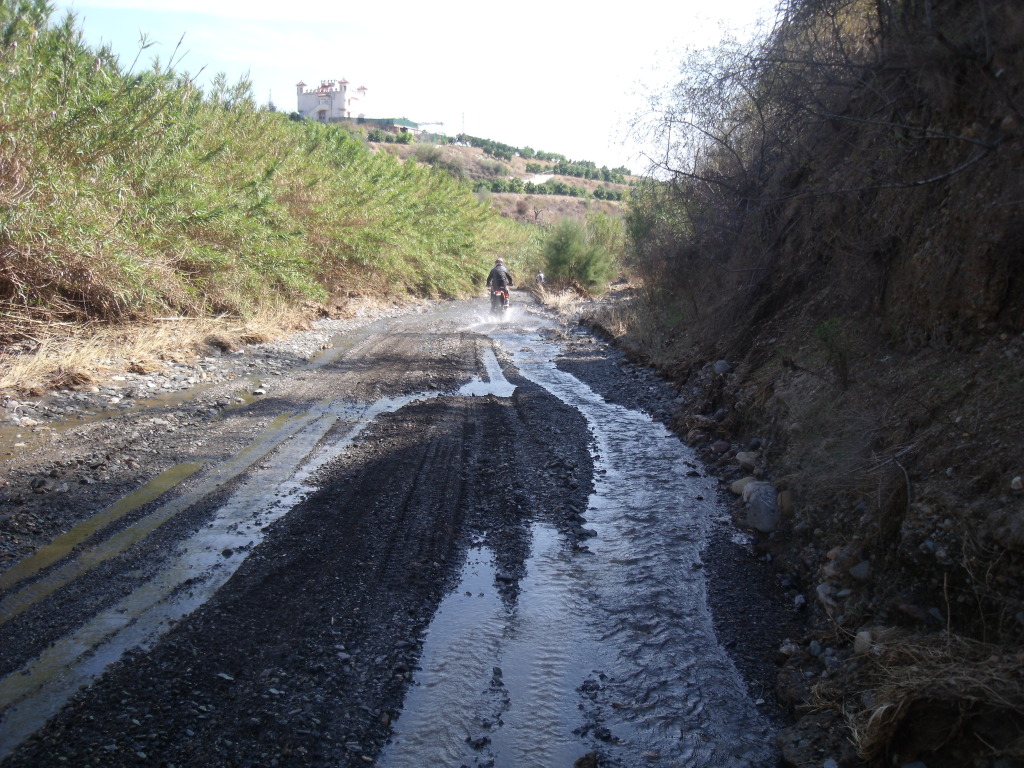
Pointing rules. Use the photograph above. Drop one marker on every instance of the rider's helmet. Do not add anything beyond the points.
(499, 261)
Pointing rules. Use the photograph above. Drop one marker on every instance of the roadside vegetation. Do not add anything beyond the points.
(584, 255)
(128, 194)
(829, 262)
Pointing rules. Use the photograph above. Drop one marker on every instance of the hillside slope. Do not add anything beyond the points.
(473, 164)
(834, 280)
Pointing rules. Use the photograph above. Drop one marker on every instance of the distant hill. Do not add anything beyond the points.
(473, 164)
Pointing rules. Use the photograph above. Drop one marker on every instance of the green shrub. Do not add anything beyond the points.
(493, 168)
(580, 253)
(430, 154)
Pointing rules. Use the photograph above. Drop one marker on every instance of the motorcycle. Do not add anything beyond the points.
(499, 301)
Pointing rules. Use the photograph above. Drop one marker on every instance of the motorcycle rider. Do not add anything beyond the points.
(500, 279)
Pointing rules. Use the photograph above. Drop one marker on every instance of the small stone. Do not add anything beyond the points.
(1017, 483)
(861, 571)
(722, 367)
(862, 642)
(737, 486)
(789, 648)
(762, 506)
(824, 595)
(720, 446)
(747, 459)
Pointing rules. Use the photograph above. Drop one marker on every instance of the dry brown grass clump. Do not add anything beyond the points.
(67, 356)
(563, 302)
(942, 697)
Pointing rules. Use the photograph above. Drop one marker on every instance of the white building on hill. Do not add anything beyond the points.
(331, 101)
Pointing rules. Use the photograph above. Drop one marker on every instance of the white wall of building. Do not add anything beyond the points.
(330, 101)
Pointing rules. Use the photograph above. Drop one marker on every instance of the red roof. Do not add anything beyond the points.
(299, 83)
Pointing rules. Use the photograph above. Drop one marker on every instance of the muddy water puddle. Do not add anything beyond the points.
(610, 651)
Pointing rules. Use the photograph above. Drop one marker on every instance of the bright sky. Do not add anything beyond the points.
(563, 76)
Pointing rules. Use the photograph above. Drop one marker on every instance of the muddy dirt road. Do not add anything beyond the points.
(430, 545)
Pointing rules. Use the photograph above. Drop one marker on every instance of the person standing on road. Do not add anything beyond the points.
(500, 279)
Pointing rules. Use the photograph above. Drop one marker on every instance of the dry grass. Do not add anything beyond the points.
(941, 694)
(67, 356)
(648, 329)
(565, 303)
